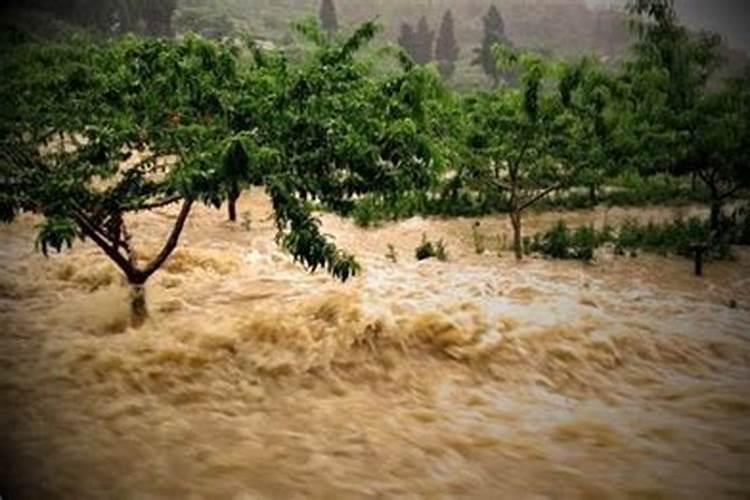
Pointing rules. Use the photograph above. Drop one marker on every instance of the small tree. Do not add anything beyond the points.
(328, 18)
(446, 48)
(494, 33)
(521, 138)
(77, 112)
(424, 39)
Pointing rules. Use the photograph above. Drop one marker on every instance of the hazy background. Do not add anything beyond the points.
(728, 17)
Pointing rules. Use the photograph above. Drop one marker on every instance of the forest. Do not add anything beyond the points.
(193, 215)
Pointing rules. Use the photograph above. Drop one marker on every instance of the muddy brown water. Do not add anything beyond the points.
(473, 378)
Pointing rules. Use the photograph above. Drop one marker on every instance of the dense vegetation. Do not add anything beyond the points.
(91, 131)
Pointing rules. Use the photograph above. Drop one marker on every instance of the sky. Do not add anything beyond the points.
(730, 18)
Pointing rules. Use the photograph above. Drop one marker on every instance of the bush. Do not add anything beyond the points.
(555, 243)
(676, 237)
(391, 254)
(428, 250)
(584, 243)
(670, 237)
(368, 212)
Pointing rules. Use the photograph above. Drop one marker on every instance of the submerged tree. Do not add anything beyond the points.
(446, 47)
(683, 126)
(522, 138)
(92, 133)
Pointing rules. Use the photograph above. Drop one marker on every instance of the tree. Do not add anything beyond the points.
(494, 33)
(686, 128)
(424, 38)
(88, 134)
(521, 139)
(408, 40)
(328, 17)
(446, 48)
(719, 151)
(192, 121)
(590, 95)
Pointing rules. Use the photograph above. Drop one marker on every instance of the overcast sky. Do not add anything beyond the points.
(728, 17)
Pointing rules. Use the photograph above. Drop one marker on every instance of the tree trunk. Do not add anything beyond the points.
(593, 198)
(234, 194)
(138, 308)
(715, 220)
(515, 220)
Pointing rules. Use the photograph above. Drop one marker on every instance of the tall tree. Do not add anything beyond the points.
(424, 39)
(494, 33)
(446, 48)
(408, 40)
(328, 18)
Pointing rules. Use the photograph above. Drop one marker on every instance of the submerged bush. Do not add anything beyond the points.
(428, 250)
(677, 237)
(560, 243)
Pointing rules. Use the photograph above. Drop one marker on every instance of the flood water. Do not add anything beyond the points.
(474, 378)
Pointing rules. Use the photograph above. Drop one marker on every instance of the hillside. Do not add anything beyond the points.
(560, 27)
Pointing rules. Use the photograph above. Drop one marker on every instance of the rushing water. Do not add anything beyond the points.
(474, 378)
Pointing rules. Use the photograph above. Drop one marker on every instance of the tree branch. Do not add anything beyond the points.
(171, 242)
(90, 230)
(150, 206)
(539, 196)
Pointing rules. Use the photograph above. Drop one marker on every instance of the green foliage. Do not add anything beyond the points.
(55, 232)
(675, 237)
(429, 250)
(560, 243)
(326, 128)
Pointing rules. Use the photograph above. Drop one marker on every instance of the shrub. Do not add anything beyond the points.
(555, 242)
(428, 250)
(368, 212)
(478, 238)
(391, 254)
(583, 243)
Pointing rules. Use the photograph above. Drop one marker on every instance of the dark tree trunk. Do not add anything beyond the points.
(136, 276)
(234, 194)
(138, 308)
(515, 220)
(715, 218)
(593, 198)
